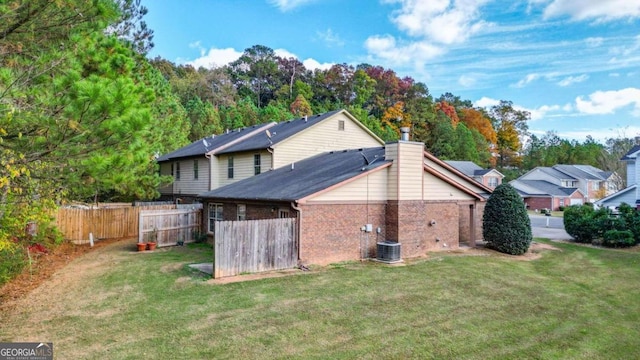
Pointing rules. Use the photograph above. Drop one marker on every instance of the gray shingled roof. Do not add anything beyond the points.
(541, 187)
(581, 171)
(203, 146)
(279, 132)
(307, 176)
(633, 150)
(468, 168)
(555, 173)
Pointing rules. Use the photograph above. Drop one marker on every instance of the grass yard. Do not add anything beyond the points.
(573, 303)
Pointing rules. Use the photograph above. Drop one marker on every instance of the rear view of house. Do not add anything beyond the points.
(346, 201)
(223, 159)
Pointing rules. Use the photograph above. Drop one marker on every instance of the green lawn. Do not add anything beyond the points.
(575, 303)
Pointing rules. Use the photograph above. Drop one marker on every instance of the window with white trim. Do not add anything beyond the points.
(492, 182)
(215, 213)
(242, 212)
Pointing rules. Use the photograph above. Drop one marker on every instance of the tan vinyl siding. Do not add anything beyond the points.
(187, 184)
(372, 187)
(437, 189)
(323, 137)
(410, 171)
(391, 153)
(242, 166)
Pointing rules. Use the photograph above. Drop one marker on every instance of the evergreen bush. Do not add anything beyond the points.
(618, 238)
(506, 225)
(578, 222)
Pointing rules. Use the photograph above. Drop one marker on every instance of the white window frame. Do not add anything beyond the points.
(242, 212)
(217, 215)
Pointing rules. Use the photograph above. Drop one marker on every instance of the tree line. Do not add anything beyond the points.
(84, 112)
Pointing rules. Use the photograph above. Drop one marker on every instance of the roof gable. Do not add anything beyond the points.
(587, 172)
(304, 178)
(287, 129)
(211, 144)
(631, 154)
(542, 188)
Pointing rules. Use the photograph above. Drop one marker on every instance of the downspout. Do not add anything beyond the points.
(295, 207)
(210, 171)
(270, 150)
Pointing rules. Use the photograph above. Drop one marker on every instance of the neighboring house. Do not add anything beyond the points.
(220, 160)
(487, 177)
(630, 194)
(563, 185)
(347, 200)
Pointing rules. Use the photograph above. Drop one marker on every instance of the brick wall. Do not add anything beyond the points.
(465, 221)
(332, 232)
(537, 203)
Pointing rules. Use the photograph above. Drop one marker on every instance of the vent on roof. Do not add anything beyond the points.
(388, 251)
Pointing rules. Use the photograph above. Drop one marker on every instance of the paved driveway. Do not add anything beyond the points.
(548, 227)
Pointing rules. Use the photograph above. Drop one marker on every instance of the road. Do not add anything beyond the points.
(549, 227)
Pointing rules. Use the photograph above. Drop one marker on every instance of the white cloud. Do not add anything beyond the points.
(288, 5)
(441, 21)
(213, 58)
(467, 81)
(313, 64)
(607, 102)
(486, 102)
(285, 54)
(599, 134)
(330, 38)
(541, 112)
(527, 79)
(386, 48)
(569, 80)
(536, 114)
(598, 10)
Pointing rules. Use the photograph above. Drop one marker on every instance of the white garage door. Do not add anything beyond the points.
(576, 201)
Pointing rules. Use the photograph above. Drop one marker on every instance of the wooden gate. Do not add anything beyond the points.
(168, 227)
(254, 246)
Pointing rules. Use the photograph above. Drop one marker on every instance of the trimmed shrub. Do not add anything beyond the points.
(630, 219)
(618, 238)
(506, 225)
(578, 222)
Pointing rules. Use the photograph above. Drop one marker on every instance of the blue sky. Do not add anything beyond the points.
(574, 64)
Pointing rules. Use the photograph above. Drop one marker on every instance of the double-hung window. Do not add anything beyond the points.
(214, 214)
(257, 162)
(230, 167)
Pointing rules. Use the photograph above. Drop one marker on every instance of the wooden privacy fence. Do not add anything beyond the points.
(168, 227)
(106, 222)
(254, 246)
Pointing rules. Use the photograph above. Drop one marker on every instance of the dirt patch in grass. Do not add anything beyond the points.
(46, 265)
